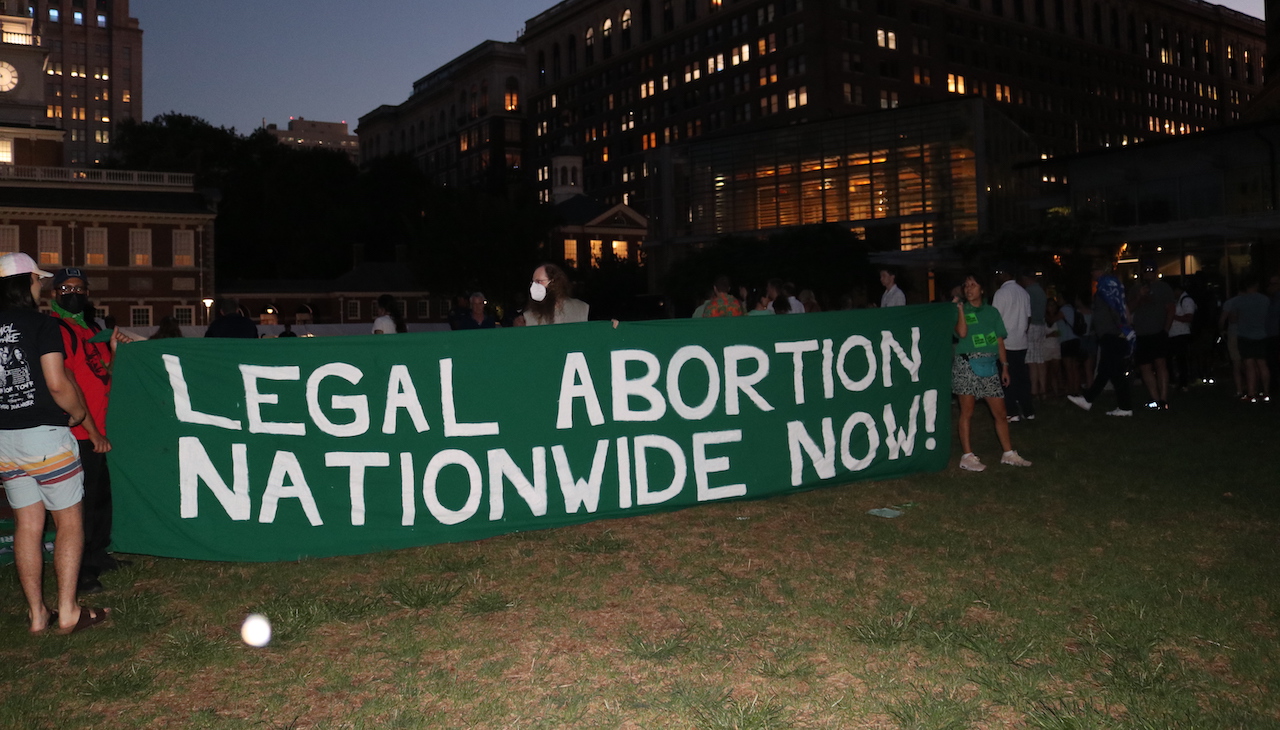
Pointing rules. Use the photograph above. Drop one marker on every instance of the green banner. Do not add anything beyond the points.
(282, 449)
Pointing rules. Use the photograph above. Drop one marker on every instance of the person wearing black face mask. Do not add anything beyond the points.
(89, 365)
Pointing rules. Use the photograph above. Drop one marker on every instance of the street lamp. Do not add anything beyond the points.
(208, 304)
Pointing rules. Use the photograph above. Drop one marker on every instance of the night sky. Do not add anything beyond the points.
(236, 63)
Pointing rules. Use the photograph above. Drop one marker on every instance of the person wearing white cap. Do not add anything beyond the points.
(39, 458)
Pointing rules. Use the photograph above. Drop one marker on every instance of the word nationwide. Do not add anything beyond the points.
(284, 449)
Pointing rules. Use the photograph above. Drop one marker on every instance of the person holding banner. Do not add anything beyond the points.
(980, 369)
(88, 361)
(549, 300)
(39, 458)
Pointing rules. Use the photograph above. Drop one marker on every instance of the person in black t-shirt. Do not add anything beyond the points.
(39, 458)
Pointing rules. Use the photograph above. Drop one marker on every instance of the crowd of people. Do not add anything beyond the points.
(1022, 344)
(1025, 342)
(1059, 342)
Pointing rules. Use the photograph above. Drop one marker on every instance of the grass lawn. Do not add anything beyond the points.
(1127, 580)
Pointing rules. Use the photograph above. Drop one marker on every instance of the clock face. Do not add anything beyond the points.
(8, 76)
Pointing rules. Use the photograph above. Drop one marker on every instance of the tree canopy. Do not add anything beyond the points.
(302, 213)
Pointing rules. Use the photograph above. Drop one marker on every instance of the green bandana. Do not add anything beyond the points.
(77, 318)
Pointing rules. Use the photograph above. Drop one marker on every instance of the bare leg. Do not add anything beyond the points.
(1264, 378)
(1002, 422)
(28, 555)
(1037, 378)
(1251, 377)
(1162, 378)
(966, 415)
(1149, 380)
(68, 548)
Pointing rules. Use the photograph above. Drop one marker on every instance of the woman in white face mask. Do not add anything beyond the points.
(549, 300)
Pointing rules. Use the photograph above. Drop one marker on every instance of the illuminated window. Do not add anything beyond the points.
(621, 249)
(77, 17)
(571, 251)
(597, 250)
(125, 96)
(352, 308)
(184, 248)
(102, 20)
(95, 246)
(54, 15)
(955, 83)
(511, 100)
(887, 39)
(139, 247)
(49, 239)
(6, 151)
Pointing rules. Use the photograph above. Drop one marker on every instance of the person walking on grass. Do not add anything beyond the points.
(977, 372)
(39, 458)
(1111, 325)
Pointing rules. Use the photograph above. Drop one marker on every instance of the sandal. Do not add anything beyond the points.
(89, 617)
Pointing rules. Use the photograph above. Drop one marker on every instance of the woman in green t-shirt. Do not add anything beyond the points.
(976, 371)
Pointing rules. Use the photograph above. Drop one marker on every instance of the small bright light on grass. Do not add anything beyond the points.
(256, 630)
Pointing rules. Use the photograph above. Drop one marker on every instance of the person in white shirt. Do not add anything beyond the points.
(893, 296)
(1179, 346)
(1014, 305)
(780, 291)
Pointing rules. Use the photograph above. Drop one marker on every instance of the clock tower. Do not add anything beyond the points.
(21, 73)
(27, 136)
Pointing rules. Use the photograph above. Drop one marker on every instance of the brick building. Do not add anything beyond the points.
(144, 238)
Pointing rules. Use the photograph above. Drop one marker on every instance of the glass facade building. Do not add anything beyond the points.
(903, 179)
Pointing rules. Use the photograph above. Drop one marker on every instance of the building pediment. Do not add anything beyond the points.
(619, 216)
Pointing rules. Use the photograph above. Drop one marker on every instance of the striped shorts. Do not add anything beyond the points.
(41, 463)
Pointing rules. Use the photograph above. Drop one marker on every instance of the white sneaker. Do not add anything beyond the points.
(1120, 412)
(1080, 401)
(970, 462)
(1012, 459)
(1013, 419)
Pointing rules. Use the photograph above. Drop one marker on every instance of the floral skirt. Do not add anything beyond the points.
(966, 382)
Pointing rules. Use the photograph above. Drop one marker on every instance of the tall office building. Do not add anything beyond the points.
(93, 75)
(464, 122)
(613, 81)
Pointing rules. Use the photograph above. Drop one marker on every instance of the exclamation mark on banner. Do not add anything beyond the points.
(930, 418)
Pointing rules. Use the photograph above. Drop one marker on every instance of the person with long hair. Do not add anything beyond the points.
(389, 320)
(980, 369)
(550, 301)
(39, 458)
(169, 328)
